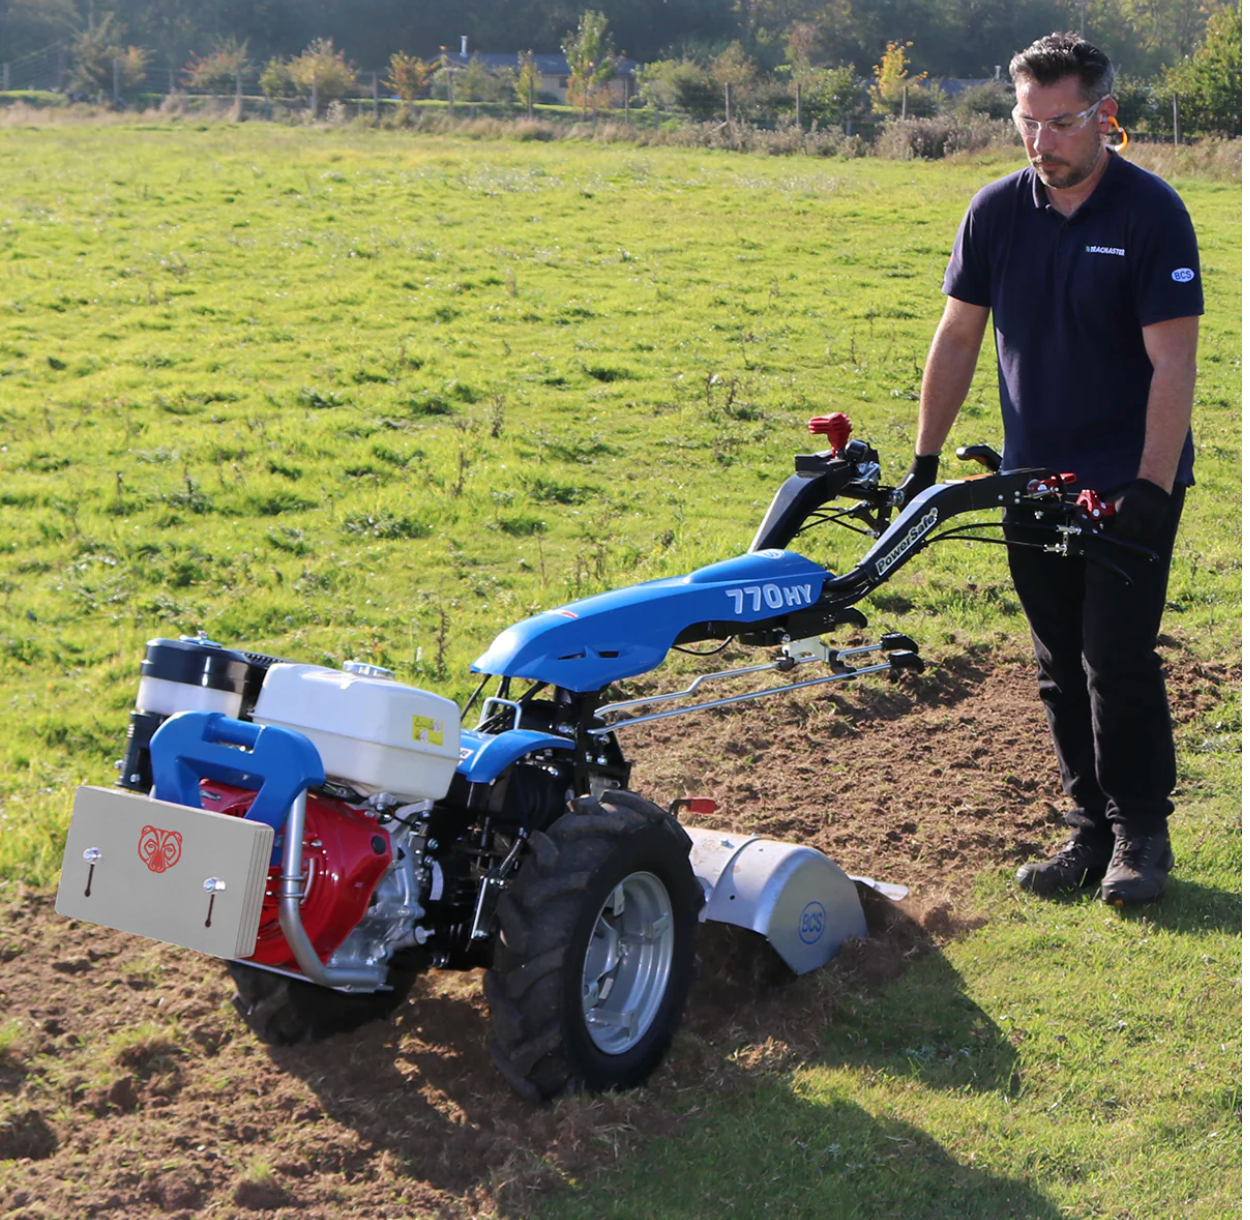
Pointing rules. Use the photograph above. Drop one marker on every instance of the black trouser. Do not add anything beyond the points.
(1100, 678)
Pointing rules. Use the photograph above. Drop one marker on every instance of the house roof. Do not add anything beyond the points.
(953, 86)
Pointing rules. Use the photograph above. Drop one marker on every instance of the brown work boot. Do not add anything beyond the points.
(1139, 868)
(1079, 862)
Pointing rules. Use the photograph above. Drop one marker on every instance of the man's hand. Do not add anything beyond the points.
(1142, 512)
(920, 476)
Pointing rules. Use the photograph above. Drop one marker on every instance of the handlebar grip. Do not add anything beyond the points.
(991, 459)
(232, 732)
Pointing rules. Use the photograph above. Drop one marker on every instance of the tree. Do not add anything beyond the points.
(275, 80)
(27, 26)
(527, 79)
(408, 76)
(681, 85)
(322, 72)
(732, 69)
(220, 69)
(99, 61)
(592, 61)
(895, 91)
(799, 56)
(833, 95)
(1209, 81)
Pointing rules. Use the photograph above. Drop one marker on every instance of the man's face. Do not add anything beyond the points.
(1061, 160)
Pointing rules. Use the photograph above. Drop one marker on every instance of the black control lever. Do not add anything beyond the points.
(991, 459)
(896, 640)
(906, 660)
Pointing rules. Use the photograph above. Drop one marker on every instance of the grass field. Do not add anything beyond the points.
(340, 393)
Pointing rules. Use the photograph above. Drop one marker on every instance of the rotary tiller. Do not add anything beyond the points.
(334, 833)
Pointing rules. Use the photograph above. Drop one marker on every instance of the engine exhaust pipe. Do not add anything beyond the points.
(290, 891)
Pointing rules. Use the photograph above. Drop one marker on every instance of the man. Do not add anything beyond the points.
(1090, 268)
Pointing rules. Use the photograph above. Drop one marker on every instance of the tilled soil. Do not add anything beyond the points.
(129, 1087)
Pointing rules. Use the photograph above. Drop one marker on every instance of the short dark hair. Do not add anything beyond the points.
(1059, 56)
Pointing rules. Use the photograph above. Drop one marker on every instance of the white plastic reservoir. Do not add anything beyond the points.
(376, 734)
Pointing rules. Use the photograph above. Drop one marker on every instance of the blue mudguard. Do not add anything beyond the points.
(483, 756)
(587, 644)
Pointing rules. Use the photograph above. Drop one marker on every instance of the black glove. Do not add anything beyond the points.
(1143, 511)
(921, 475)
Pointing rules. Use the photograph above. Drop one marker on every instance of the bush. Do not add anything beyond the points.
(930, 139)
(991, 100)
(220, 69)
(276, 79)
(681, 85)
(832, 95)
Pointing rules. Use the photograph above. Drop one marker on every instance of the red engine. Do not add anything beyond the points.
(345, 855)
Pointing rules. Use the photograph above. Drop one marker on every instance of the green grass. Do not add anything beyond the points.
(342, 393)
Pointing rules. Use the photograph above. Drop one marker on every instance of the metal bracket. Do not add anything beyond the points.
(494, 699)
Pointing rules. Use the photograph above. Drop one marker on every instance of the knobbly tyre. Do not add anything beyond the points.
(332, 834)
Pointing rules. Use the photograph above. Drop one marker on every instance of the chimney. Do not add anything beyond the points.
(464, 44)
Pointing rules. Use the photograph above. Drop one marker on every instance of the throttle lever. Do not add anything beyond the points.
(991, 459)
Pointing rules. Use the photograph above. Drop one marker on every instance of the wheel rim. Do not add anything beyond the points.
(628, 963)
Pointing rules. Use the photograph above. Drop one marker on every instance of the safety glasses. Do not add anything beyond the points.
(1063, 125)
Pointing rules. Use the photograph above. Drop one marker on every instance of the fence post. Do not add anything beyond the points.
(314, 96)
(1176, 120)
(5, 82)
(238, 87)
(904, 115)
(375, 99)
(117, 81)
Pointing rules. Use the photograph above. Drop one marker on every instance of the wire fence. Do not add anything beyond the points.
(48, 74)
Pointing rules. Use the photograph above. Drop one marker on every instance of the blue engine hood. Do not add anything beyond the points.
(588, 644)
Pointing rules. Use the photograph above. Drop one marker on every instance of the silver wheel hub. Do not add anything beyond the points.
(628, 963)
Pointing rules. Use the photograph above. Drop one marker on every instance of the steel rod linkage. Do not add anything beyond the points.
(797, 652)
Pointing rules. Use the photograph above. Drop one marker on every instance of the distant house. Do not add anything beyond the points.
(953, 86)
(553, 72)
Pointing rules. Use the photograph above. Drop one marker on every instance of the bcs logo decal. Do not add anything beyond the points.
(812, 923)
(1182, 275)
(159, 849)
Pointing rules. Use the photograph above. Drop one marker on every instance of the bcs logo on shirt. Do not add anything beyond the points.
(1182, 275)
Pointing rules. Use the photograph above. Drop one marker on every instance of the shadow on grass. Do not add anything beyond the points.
(775, 1153)
(891, 1002)
(1189, 906)
(422, 1090)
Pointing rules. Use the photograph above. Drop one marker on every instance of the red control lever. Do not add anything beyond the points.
(836, 427)
(1052, 483)
(696, 804)
(1093, 506)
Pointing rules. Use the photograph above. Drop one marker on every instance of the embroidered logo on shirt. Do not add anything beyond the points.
(1182, 275)
(1104, 250)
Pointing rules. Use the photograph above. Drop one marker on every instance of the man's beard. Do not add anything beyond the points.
(1062, 175)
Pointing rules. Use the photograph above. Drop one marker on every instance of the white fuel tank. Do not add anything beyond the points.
(376, 734)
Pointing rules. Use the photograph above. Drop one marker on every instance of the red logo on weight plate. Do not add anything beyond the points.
(159, 849)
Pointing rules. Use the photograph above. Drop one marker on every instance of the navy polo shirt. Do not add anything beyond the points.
(1070, 296)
